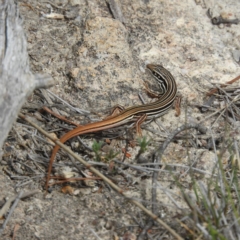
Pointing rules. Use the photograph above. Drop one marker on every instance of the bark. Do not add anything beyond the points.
(16, 79)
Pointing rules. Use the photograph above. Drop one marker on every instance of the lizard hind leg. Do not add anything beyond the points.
(116, 110)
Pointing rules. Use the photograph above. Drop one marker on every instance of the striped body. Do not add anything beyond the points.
(167, 96)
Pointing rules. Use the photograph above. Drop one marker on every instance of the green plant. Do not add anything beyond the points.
(96, 147)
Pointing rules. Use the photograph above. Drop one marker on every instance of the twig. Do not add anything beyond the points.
(11, 212)
(59, 116)
(78, 110)
(168, 193)
(234, 100)
(48, 99)
(211, 92)
(230, 97)
(10, 200)
(105, 179)
(144, 230)
(95, 234)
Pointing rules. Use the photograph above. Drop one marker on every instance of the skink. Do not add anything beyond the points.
(138, 114)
